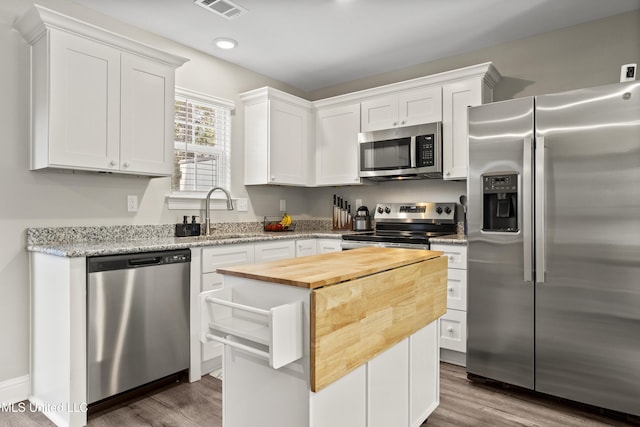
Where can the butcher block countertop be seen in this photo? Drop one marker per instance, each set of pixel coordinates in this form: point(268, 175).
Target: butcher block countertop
point(318, 271)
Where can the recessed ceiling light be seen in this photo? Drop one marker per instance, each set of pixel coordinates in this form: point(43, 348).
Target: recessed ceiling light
point(225, 43)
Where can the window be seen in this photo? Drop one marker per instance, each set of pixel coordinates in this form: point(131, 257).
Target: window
point(202, 142)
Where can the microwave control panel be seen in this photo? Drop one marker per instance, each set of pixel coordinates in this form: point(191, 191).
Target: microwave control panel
point(425, 150)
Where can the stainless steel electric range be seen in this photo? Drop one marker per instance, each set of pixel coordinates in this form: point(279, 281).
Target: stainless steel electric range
point(406, 225)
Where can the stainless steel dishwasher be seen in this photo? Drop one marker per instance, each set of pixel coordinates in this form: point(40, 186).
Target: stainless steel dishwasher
point(137, 320)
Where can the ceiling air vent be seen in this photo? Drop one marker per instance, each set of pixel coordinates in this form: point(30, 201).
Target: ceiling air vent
point(225, 8)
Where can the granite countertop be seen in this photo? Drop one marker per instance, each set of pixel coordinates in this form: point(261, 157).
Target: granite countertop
point(452, 239)
point(112, 240)
point(85, 249)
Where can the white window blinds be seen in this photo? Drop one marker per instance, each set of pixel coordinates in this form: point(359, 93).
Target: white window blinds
point(202, 142)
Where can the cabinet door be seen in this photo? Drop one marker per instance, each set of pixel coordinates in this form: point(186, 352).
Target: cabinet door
point(305, 247)
point(337, 150)
point(456, 99)
point(288, 143)
point(379, 113)
point(420, 106)
point(84, 105)
point(342, 403)
point(424, 373)
point(272, 251)
point(148, 94)
point(388, 387)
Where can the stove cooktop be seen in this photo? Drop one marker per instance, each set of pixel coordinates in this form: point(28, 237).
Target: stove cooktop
point(413, 223)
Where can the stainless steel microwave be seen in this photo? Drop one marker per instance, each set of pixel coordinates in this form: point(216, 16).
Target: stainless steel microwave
point(411, 152)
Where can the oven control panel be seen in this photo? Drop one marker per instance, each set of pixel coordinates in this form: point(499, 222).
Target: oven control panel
point(416, 212)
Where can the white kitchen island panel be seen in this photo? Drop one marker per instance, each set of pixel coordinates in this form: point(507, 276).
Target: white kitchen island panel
point(397, 386)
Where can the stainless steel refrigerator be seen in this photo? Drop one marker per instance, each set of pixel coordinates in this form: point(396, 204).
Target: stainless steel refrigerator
point(554, 244)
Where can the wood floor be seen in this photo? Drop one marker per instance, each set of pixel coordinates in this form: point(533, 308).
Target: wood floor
point(462, 403)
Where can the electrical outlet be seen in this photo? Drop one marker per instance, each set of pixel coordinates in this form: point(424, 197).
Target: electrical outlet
point(628, 72)
point(242, 205)
point(358, 203)
point(132, 203)
point(283, 205)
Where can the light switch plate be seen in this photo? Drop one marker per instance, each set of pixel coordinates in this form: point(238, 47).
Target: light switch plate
point(283, 205)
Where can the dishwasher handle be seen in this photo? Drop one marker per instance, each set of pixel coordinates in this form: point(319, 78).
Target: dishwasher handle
point(136, 262)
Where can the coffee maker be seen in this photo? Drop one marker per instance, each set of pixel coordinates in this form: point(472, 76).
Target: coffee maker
point(500, 202)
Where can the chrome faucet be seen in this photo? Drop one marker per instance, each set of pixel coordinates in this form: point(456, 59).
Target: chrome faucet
point(207, 219)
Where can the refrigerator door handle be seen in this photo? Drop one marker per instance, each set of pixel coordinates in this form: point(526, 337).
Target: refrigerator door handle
point(527, 219)
point(540, 210)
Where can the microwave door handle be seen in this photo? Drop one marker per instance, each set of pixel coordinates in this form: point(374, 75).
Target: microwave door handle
point(412, 152)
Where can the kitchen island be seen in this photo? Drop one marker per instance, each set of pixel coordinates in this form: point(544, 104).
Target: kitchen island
point(340, 339)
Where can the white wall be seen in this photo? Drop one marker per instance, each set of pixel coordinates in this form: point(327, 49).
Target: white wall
point(44, 198)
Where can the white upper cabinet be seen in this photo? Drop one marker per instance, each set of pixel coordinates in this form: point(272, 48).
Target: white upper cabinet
point(147, 111)
point(407, 108)
point(337, 151)
point(277, 138)
point(100, 102)
point(286, 144)
point(457, 98)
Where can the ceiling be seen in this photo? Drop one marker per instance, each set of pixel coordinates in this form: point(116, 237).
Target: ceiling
point(313, 44)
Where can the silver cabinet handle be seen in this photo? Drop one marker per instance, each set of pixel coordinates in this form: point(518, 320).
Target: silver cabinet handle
point(540, 210)
point(113, 163)
point(526, 213)
point(125, 164)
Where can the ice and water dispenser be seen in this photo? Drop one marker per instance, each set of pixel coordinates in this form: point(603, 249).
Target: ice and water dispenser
point(500, 202)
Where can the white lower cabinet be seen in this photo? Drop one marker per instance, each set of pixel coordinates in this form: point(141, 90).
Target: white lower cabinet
point(212, 258)
point(453, 325)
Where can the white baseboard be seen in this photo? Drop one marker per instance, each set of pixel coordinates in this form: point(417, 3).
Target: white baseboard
point(454, 357)
point(14, 390)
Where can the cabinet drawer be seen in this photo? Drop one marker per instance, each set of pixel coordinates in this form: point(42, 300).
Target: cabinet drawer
point(226, 256)
point(305, 247)
point(457, 289)
point(457, 254)
point(272, 251)
point(273, 333)
point(211, 281)
point(325, 246)
point(453, 331)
